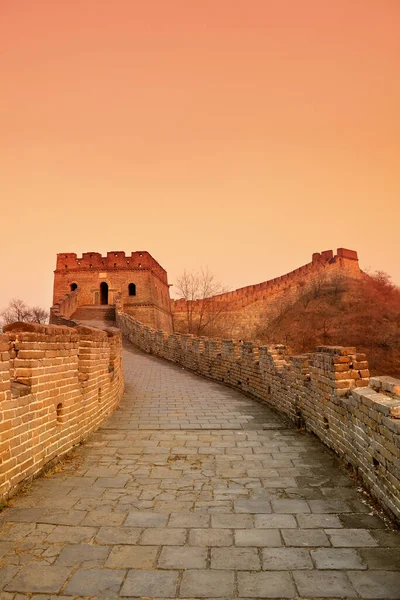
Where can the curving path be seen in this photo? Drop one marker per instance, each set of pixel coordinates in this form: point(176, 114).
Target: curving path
point(191, 490)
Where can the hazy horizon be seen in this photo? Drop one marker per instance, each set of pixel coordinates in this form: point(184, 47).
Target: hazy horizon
point(241, 135)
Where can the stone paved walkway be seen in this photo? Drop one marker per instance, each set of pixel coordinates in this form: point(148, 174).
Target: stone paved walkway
point(191, 490)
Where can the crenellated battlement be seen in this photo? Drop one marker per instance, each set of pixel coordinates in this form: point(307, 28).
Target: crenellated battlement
point(116, 259)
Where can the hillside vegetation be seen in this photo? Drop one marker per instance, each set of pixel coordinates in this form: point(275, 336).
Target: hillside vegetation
point(363, 313)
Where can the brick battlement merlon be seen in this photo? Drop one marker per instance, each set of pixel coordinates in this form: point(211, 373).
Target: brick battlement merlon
point(68, 261)
point(344, 258)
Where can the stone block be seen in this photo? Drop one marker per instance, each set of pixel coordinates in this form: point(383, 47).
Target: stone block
point(235, 558)
point(323, 584)
point(150, 584)
point(35, 578)
point(207, 584)
point(266, 585)
point(258, 537)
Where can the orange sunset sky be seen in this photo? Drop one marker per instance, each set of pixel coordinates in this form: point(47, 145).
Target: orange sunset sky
point(239, 134)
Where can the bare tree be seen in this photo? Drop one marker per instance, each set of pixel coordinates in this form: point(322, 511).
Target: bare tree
point(200, 289)
point(18, 310)
point(39, 315)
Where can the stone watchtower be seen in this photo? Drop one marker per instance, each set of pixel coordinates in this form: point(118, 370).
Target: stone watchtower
point(137, 281)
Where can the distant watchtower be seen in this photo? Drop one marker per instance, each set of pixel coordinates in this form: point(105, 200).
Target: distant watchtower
point(137, 281)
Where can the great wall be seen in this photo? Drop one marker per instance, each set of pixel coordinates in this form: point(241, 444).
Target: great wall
point(245, 306)
point(59, 383)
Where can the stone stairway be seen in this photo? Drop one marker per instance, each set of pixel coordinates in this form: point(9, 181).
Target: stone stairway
point(96, 313)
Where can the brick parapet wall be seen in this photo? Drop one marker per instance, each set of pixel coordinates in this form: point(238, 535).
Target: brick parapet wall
point(328, 392)
point(57, 384)
point(62, 310)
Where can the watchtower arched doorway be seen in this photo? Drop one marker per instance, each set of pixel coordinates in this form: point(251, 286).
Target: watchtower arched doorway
point(132, 289)
point(103, 293)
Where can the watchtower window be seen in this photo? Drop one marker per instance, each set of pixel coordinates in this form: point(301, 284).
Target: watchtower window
point(73, 286)
point(132, 289)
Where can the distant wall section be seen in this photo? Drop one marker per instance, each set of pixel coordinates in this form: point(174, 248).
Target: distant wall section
point(244, 306)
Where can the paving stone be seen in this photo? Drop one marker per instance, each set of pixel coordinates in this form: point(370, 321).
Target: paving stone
point(258, 537)
point(207, 584)
point(118, 535)
point(279, 482)
point(26, 515)
point(285, 559)
point(84, 555)
point(305, 537)
point(386, 559)
point(173, 557)
point(146, 519)
point(350, 538)
point(323, 584)
point(91, 582)
point(329, 506)
point(163, 537)
point(37, 578)
point(354, 521)
point(66, 517)
point(16, 531)
point(6, 575)
point(266, 585)
point(379, 585)
point(62, 503)
point(231, 521)
point(151, 584)
point(235, 558)
point(189, 520)
point(321, 521)
point(252, 506)
point(80, 482)
point(337, 558)
point(71, 535)
point(391, 539)
point(210, 537)
point(290, 506)
point(100, 518)
point(5, 547)
point(132, 557)
point(275, 521)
